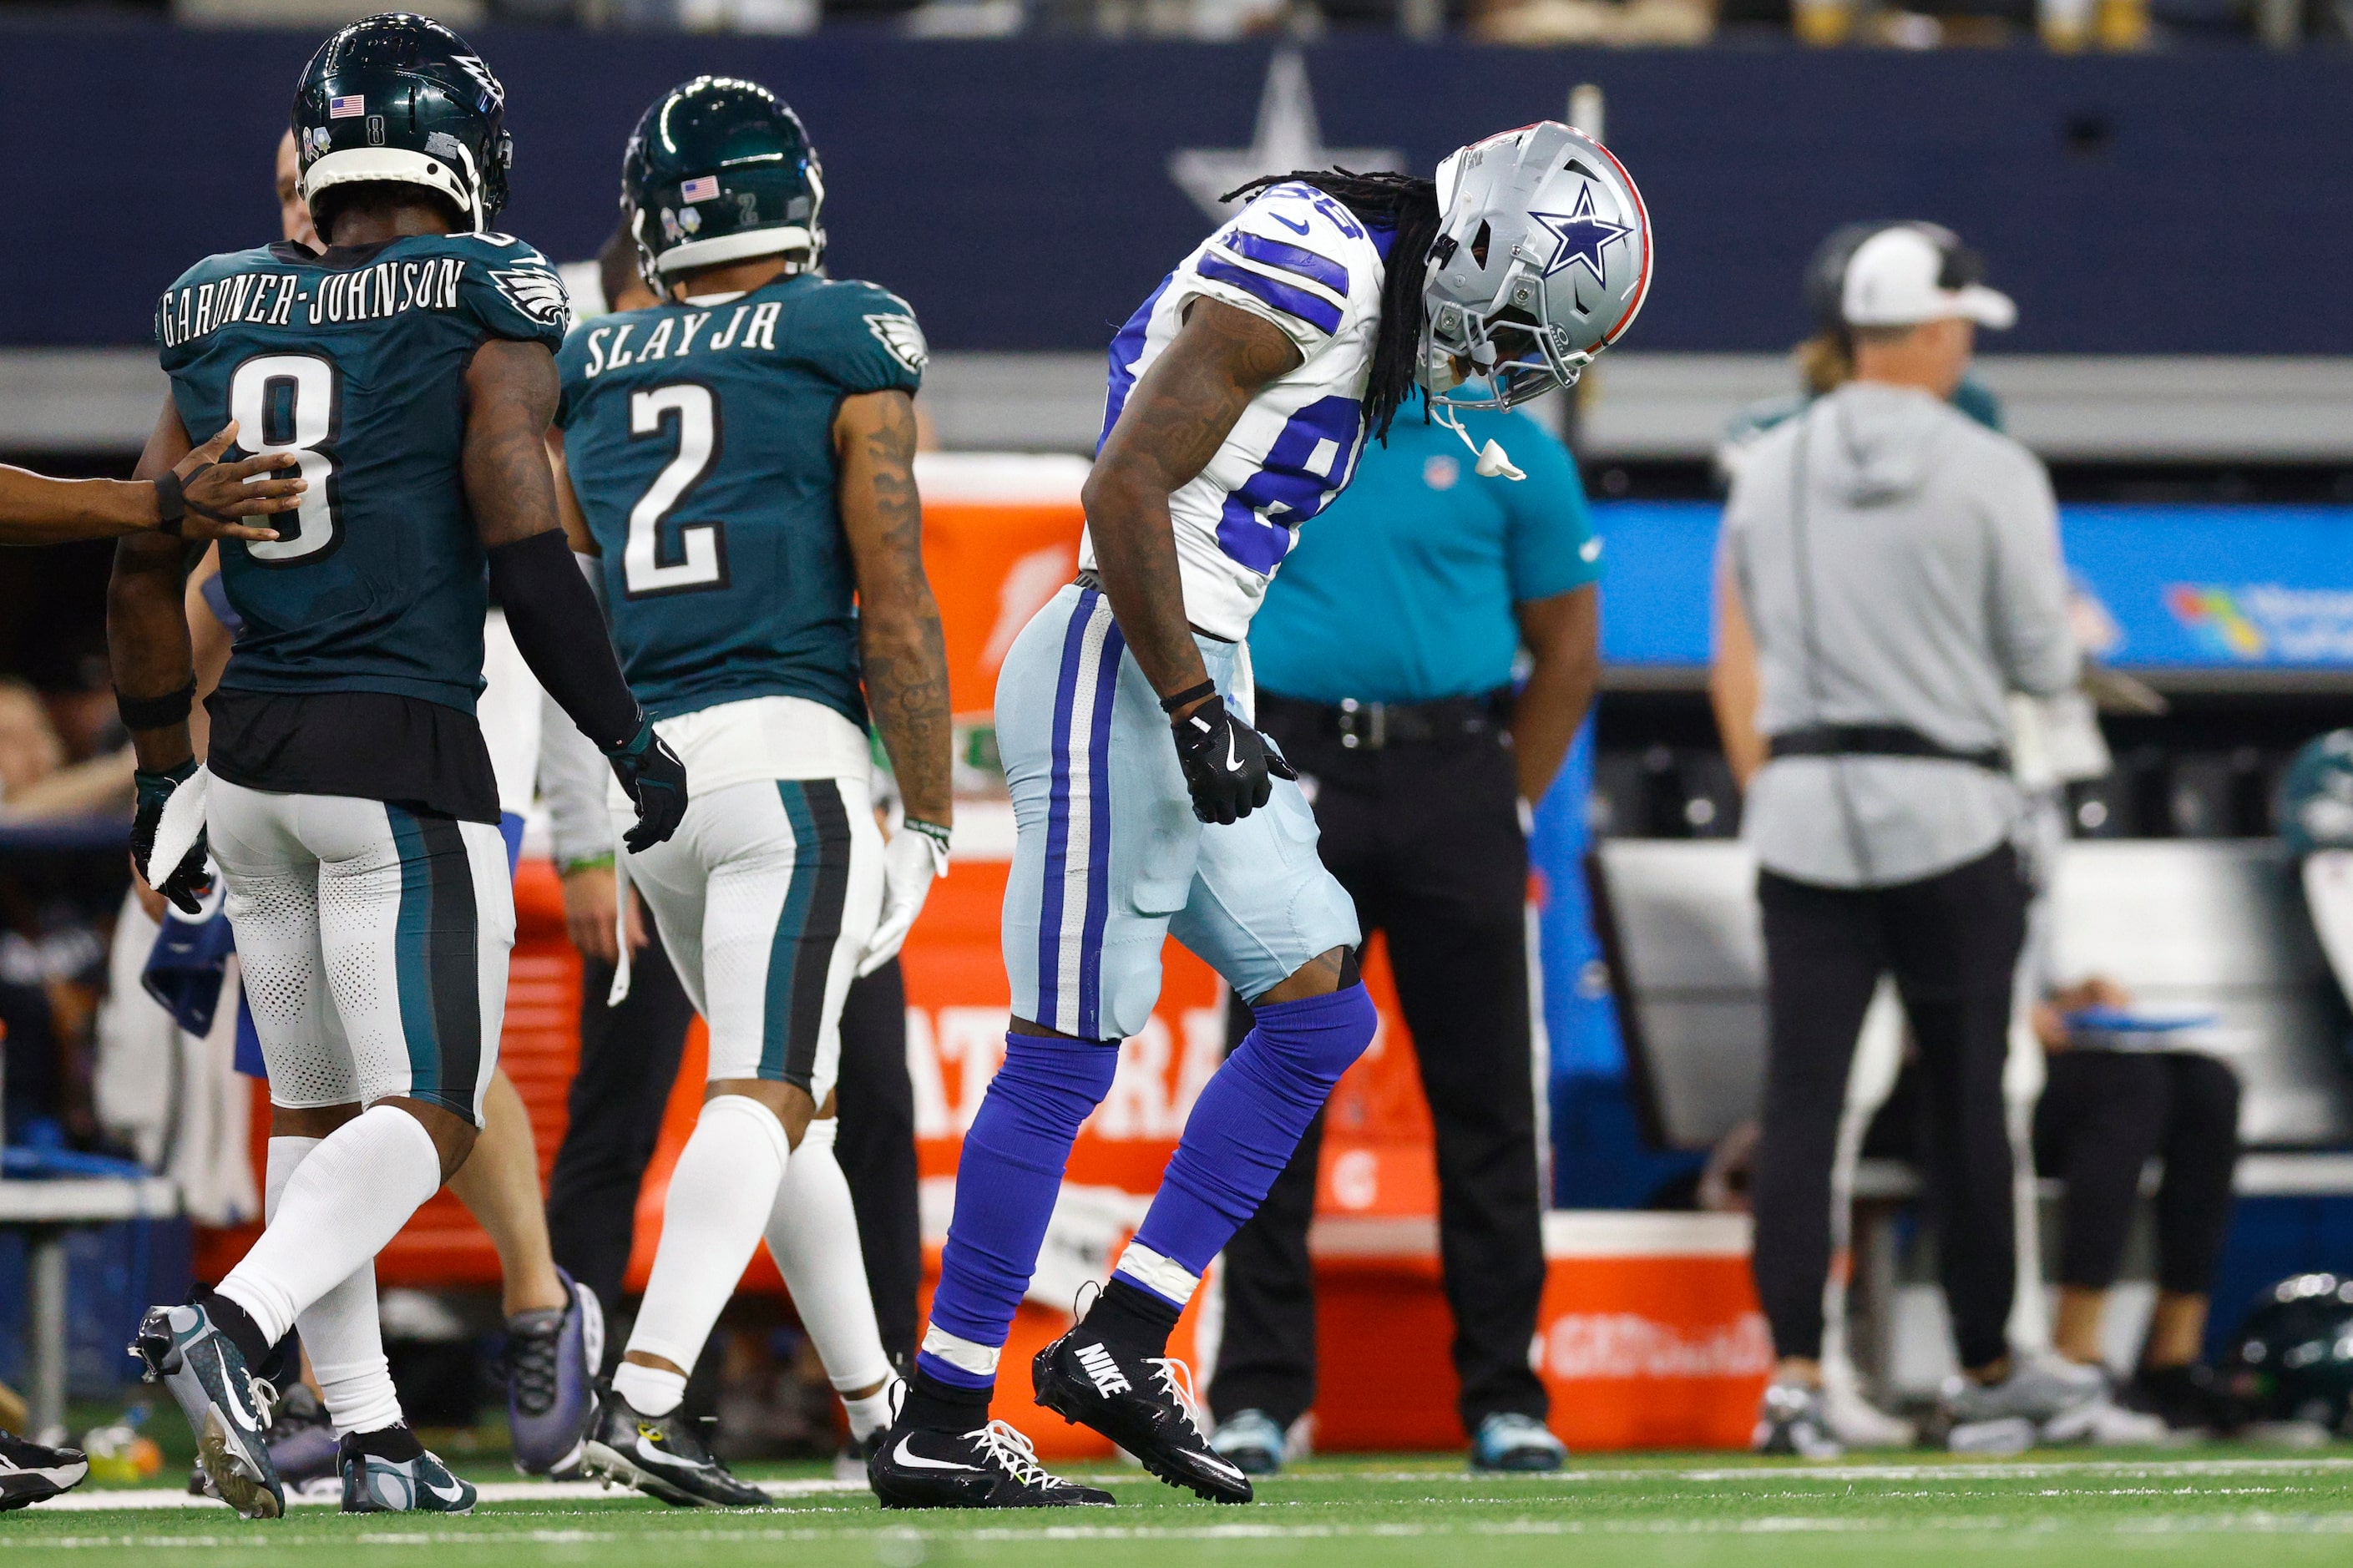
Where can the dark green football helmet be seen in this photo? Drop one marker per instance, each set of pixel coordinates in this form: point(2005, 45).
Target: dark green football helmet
point(719, 169)
point(2293, 1358)
point(402, 99)
point(2313, 809)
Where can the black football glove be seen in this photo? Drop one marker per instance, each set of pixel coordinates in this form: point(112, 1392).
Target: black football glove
point(186, 883)
point(1226, 762)
point(654, 777)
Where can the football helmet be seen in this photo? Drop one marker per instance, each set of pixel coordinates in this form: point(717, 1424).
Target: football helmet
point(1542, 260)
point(400, 97)
point(719, 169)
point(2315, 808)
point(2291, 1360)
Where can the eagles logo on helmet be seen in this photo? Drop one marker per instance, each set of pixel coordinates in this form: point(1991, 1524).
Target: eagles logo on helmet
point(721, 170)
point(400, 99)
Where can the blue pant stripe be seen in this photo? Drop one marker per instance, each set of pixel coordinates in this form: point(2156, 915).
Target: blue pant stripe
point(1098, 839)
point(1058, 818)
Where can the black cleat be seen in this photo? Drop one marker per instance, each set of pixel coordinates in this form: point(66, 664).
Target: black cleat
point(989, 1467)
point(1144, 1405)
point(661, 1457)
point(30, 1473)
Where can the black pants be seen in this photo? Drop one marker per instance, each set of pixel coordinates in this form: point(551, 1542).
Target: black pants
point(629, 1061)
point(2102, 1116)
point(1426, 838)
point(876, 1147)
point(1952, 942)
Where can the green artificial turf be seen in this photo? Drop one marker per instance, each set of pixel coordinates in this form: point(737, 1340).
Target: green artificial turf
point(2232, 1506)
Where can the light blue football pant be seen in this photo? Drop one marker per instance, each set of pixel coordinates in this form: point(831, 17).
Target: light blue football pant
point(1109, 859)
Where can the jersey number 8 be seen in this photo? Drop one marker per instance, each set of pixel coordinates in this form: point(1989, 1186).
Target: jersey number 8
point(665, 556)
point(286, 403)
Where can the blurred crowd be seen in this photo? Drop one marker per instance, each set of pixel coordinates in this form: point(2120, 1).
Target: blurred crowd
point(2064, 24)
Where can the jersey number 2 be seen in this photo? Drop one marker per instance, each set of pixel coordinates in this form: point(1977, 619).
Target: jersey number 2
point(663, 556)
point(286, 404)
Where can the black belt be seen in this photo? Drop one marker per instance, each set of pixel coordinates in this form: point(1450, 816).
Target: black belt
point(1880, 740)
point(1371, 726)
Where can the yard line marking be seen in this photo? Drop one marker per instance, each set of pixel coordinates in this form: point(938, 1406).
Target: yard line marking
point(2183, 1524)
point(88, 1499)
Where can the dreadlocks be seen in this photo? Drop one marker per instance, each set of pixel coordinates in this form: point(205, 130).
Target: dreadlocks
point(1408, 207)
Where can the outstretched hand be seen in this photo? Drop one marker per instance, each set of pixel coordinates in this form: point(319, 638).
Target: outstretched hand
point(217, 493)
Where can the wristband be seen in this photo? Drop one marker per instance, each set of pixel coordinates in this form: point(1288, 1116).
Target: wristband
point(156, 712)
point(586, 863)
point(171, 505)
point(930, 830)
point(1190, 694)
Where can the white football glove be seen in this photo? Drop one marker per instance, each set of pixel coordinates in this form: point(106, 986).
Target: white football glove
point(917, 853)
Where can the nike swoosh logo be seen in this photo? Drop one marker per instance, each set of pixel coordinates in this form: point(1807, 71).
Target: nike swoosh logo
point(1293, 227)
point(914, 1461)
point(1233, 758)
point(455, 1494)
point(235, 1406)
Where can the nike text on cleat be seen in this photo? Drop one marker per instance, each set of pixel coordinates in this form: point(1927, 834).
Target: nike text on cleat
point(374, 1484)
point(1104, 1369)
point(227, 1408)
point(1146, 1406)
point(989, 1467)
point(662, 1457)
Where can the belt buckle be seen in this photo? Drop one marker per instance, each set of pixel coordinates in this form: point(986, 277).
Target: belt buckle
point(1373, 734)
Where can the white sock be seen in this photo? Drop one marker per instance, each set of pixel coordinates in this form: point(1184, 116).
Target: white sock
point(648, 1390)
point(341, 1202)
point(869, 1414)
point(813, 1235)
point(339, 1329)
point(720, 1195)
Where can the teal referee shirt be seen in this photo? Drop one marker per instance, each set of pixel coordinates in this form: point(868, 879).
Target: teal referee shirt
point(1402, 589)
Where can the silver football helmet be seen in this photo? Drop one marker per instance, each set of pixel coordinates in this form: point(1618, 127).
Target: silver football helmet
point(1543, 258)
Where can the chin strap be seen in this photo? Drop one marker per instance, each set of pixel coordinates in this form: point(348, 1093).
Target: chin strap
point(1492, 460)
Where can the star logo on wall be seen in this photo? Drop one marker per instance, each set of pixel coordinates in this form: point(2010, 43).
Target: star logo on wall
point(1287, 137)
point(1581, 236)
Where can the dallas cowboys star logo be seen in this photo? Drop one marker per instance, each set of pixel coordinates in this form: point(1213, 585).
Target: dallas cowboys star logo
point(1582, 236)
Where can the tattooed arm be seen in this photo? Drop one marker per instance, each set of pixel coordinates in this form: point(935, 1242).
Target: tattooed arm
point(511, 390)
point(1174, 422)
point(900, 644)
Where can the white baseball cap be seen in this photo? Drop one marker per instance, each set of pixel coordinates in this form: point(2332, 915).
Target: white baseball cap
point(1911, 273)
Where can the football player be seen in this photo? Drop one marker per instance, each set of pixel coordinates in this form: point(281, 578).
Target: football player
point(408, 374)
point(743, 456)
point(1146, 805)
point(555, 1326)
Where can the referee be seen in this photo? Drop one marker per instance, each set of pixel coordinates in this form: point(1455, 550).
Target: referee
point(1384, 658)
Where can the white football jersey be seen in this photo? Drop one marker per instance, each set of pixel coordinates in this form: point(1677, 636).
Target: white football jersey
point(1298, 257)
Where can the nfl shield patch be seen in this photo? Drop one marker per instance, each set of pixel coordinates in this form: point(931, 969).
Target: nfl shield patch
point(703, 188)
point(346, 108)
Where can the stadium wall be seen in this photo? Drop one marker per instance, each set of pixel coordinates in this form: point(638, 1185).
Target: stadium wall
point(1019, 192)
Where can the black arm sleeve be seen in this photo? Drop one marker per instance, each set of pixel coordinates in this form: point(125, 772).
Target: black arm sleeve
point(561, 632)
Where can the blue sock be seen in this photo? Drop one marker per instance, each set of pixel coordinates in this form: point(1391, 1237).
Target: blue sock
point(1243, 1131)
point(1007, 1182)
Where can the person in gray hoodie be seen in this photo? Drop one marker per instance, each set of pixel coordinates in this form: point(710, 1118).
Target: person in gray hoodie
point(1888, 572)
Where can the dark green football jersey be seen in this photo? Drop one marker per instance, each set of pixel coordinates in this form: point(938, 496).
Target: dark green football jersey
point(353, 366)
point(699, 441)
